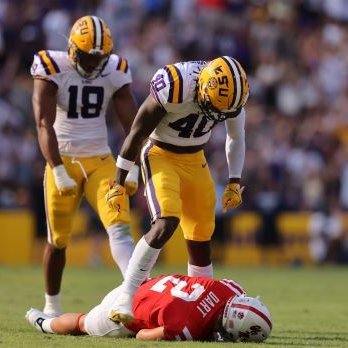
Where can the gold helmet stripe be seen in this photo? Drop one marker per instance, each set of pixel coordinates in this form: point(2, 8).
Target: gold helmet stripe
point(94, 33)
point(235, 72)
point(102, 34)
point(98, 33)
point(244, 82)
point(234, 81)
point(48, 63)
point(176, 84)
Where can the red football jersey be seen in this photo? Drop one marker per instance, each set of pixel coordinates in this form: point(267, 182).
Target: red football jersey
point(187, 307)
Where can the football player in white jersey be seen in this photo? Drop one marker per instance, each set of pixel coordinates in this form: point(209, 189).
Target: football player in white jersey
point(71, 93)
point(186, 101)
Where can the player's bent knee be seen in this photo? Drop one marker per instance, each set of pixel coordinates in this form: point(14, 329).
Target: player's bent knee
point(60, 243)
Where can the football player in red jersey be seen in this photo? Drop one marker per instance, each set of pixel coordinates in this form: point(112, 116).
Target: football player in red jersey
point(172, 307)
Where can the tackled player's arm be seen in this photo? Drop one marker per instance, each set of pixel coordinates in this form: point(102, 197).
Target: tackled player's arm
point(151, 334)
point(44, 105)
point(149, 115)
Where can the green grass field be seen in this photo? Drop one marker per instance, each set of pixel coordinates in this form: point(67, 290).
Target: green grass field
point(309, 305)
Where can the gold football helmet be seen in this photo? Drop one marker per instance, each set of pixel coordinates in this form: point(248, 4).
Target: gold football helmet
point(90, 46)
point(222, 89)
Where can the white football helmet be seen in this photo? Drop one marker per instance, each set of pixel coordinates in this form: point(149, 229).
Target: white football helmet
point(246, 319)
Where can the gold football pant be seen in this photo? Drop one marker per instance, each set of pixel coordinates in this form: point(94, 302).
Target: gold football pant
point(180, 185)
point(92, 175)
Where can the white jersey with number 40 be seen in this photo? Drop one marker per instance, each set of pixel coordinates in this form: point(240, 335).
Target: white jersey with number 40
point(80, 124)
point(184, 124)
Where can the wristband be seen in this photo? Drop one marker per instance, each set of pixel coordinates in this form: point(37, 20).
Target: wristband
point(124, 164)
point(133, 174)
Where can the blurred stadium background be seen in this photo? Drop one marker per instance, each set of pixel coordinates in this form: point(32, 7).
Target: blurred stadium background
point(296, 171)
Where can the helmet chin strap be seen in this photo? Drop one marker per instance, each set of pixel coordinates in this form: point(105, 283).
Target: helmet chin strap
point(93, 75)
point(96, 71)
point(81, 71)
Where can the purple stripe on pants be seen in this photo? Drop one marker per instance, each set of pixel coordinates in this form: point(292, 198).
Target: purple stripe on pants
point(153, 198)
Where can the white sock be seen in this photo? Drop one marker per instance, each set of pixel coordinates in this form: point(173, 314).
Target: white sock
point(197, 271)
point(140, 265)
point(52, 305)
point(46, 325)
point(121, 245)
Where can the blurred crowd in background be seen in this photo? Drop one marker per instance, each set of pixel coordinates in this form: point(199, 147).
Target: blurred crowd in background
point(295, 54)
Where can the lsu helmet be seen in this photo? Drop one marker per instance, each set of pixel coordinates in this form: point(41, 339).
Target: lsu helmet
point(222, 89)
point(90, 46)
point(245, 319)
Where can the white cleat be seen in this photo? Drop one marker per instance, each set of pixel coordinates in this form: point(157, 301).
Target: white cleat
point(121, 311)
point(35, 318)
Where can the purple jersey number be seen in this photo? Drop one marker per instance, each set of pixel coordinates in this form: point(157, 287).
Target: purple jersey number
point(158, 82)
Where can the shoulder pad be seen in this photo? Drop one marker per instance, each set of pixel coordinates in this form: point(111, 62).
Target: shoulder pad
point(118, 71)
point(122, 65)
point(176, 84)
point(118, 63)
point(167, 85)
point(45, 64)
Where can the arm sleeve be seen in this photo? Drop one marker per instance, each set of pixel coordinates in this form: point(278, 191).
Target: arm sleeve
point(235, 144)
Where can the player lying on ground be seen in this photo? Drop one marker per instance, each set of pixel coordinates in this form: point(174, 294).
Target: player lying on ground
point(172, 307)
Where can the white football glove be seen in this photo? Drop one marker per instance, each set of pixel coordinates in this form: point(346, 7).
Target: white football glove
point(131, 183)
point(65, 184)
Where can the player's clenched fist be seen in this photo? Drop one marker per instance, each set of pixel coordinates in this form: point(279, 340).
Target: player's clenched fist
point(232, 196)
point(116, 197)
point(65, 184)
